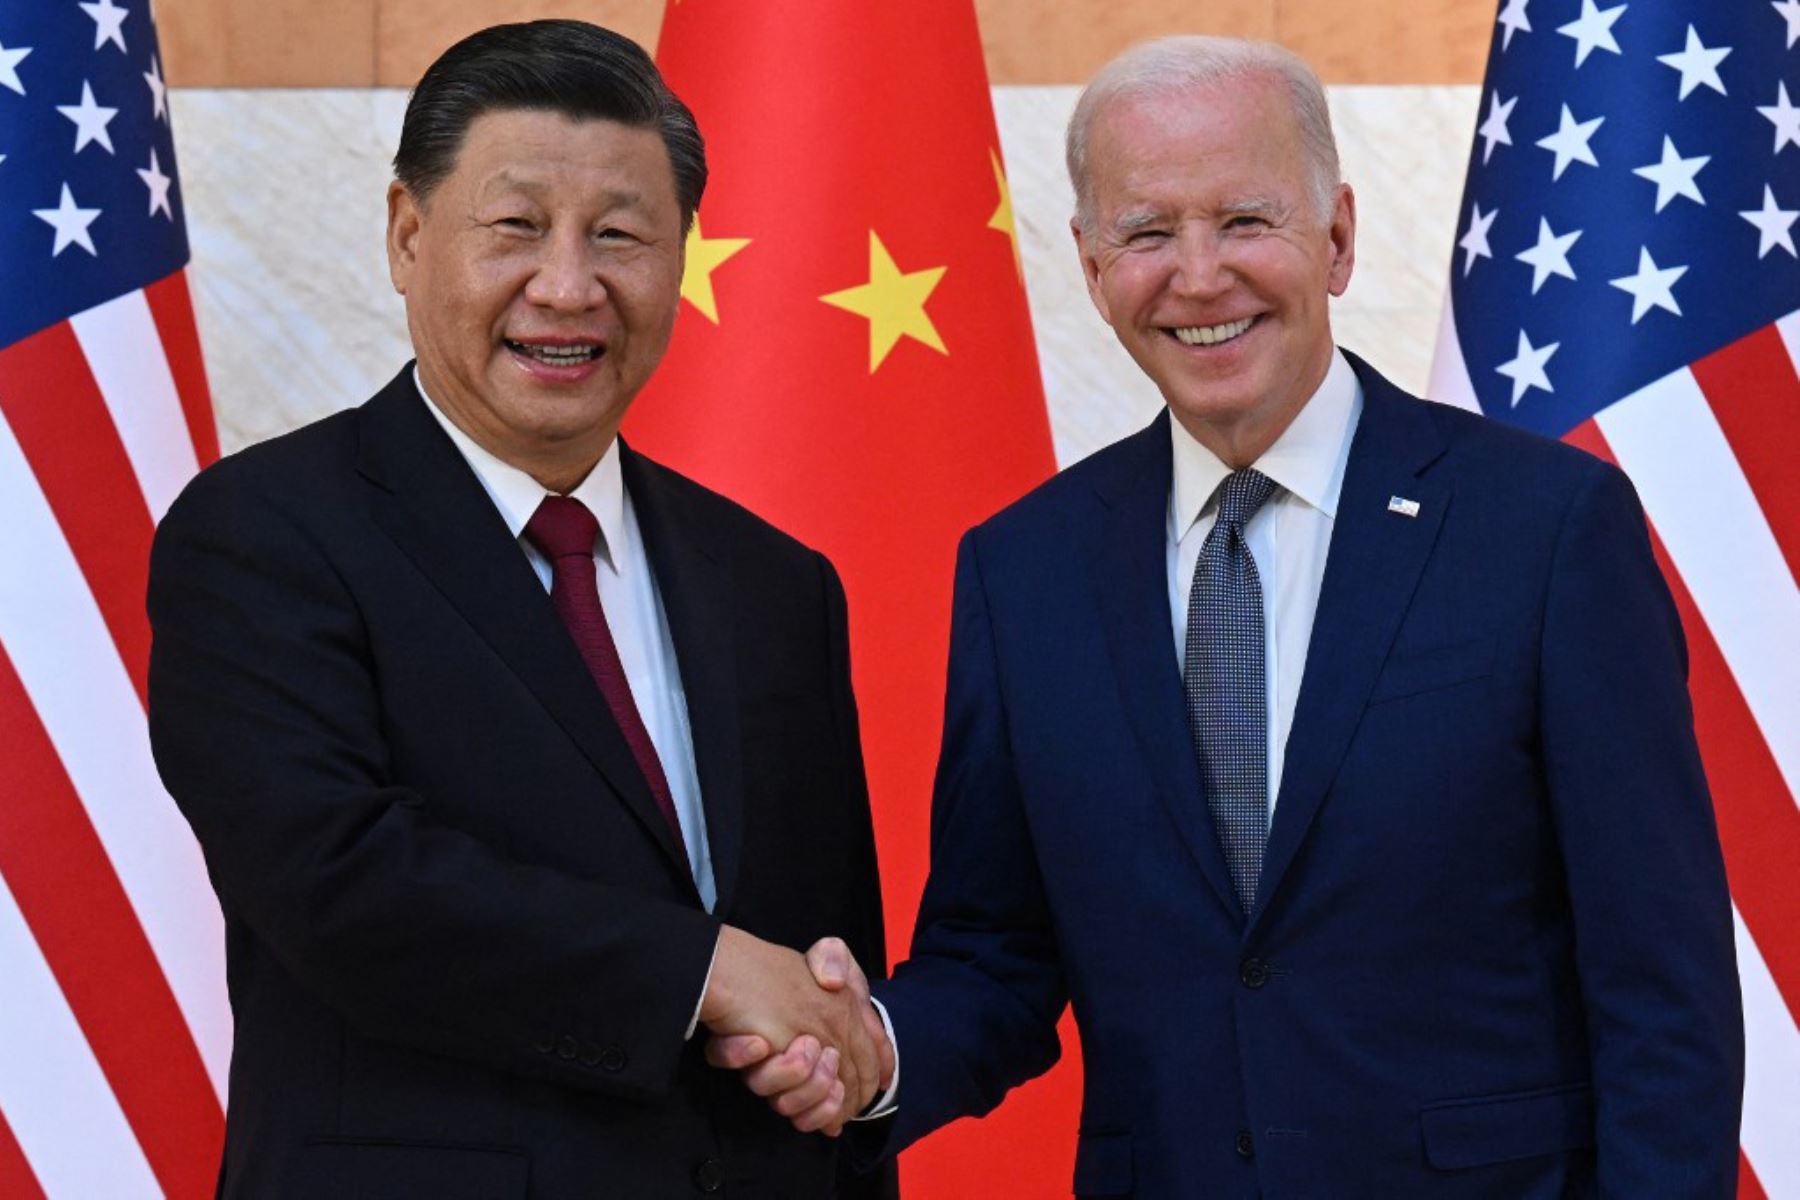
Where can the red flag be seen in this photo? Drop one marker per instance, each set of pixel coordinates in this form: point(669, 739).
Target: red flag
point(856, 364)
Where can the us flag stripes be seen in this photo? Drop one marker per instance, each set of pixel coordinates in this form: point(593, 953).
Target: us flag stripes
point(114, 1027)
point(1626, 278)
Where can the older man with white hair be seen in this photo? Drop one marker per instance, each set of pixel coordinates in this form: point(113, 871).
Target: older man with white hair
point(1328, 750)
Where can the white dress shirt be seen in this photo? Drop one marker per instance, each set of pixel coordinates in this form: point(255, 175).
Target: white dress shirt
point(1288, 537)
point(634, 613)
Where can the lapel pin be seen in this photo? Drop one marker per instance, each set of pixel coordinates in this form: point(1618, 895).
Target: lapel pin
point(1403, 506)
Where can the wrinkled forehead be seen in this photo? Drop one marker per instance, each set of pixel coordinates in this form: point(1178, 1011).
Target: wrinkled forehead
point(539, 153)
point(1221, 131)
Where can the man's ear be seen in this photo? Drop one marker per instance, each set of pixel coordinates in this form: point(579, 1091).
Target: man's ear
point(1343, 239)
point(1090, 270)
point(404, 217)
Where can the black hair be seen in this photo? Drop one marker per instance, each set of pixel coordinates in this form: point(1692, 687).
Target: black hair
point(570, 67)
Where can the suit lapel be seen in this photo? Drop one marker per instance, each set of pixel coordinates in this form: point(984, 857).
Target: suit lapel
point(696, 589)
point(1127, 559)
point(434, 508)
point(1371, 571)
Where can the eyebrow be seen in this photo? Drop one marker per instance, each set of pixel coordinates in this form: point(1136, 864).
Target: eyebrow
point(612, 198)
point(1132, 221)
point(1250, 206)
point(1253, 206)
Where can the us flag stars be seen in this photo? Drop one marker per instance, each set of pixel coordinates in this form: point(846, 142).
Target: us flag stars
point(1513, 20)
point(9, 67)
point(1593, 30)
point(71, 223)
point(91, 120)
point(1785, 117)
point(87, 152)
point(109, 22)
point(1669, 203)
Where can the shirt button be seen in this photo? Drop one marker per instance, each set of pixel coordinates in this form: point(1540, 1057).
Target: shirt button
point(709, 1176)
point(1253, 973)
point(1244, 1144)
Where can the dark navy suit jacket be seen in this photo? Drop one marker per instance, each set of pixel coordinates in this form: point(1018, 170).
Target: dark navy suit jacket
point(1492, 955)
point(463, 945)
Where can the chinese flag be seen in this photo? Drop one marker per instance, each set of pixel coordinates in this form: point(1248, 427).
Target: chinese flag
point(855, 363)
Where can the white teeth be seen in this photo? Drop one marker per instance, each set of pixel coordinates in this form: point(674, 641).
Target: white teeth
point(1212, 335)
point(559, 355)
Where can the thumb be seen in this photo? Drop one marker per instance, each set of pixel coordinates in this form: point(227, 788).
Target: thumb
point(832, 965)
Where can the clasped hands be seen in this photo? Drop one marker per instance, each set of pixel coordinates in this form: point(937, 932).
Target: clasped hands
point(800, 1029)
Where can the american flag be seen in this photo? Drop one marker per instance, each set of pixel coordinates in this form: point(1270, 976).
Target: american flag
point(1626, 278)
point(114, 1026)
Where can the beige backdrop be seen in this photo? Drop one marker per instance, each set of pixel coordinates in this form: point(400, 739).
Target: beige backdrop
point(282, 184)
point(369, 43)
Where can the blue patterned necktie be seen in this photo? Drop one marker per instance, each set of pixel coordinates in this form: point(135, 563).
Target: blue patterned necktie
point(1227, 698)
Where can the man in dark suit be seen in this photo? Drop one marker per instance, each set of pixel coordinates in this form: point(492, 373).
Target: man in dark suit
point(1327, 749)
point(513, 754)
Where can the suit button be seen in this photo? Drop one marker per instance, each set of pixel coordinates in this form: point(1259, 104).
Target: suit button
point(613, 1059)
point(1253, 973)
point(709, 1176)
point(566, 1047)
point(590, 1055)
point(545, 1043)
point(1245, 1145)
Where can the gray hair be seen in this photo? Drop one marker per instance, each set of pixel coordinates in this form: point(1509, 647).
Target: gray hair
point(1176, 64)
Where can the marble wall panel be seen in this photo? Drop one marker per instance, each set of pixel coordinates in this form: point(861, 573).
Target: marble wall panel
point(284, 194)
point(284, 198)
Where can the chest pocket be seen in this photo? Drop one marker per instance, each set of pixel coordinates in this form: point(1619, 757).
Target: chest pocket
point(1412, 672)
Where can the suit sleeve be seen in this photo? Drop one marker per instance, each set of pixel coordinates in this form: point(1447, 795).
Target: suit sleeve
point(867, 938)
point(975, 1006)
point(265, 720)
point(1646, 882)
point(866, 935)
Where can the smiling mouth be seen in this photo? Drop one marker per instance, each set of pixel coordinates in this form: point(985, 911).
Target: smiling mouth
point(1212, 335)
point(557, 356)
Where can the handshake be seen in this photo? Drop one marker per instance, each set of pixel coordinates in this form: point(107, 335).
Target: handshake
point(801, 1029)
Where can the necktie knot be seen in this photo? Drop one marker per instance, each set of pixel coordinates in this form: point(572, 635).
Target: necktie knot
point(561, 527)
point(1242, 493)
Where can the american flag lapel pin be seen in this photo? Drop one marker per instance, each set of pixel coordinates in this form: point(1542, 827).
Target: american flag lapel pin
point(1403, 506)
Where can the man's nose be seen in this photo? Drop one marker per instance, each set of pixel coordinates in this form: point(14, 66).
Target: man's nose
point(1201, 269)
point(568, 277)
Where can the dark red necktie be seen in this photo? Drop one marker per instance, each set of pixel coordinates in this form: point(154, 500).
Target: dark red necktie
point(564, 531)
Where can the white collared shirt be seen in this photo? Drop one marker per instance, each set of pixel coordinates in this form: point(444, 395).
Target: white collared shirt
point(1288, 537)
point(634, 613)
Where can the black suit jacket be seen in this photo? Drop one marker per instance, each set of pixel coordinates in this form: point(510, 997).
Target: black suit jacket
point(463, 946)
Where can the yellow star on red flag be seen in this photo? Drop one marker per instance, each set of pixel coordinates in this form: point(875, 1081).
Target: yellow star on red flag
point(894, 303)
point(1003, 219)
point(703, 256)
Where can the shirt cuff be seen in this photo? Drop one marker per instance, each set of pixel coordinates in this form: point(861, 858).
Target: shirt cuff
point(886, 1103)
point(694, 1021)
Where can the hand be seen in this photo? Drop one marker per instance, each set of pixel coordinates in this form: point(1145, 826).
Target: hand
point(762, 995)
point(800, 1083)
